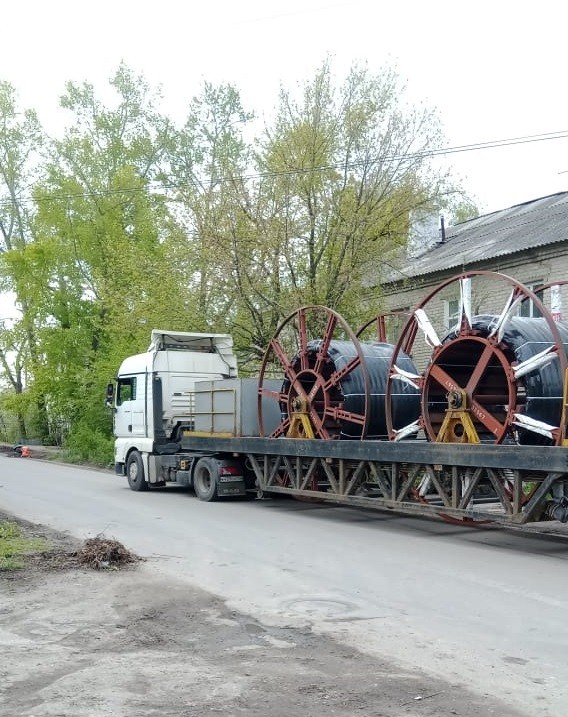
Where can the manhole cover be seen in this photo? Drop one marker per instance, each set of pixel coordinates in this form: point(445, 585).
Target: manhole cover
point(319, 607)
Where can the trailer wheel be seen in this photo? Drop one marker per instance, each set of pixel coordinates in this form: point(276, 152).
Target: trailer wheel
point(135, 472)
point(205, 479)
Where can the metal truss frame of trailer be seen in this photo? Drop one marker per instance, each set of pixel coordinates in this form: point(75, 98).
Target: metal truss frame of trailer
point(508, 484)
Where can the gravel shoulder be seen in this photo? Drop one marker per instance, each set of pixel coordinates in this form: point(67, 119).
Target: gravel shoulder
point(78, 642)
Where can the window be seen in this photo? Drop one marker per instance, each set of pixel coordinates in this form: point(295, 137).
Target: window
point(451, 313)
point(396, 323)
point(126, 390)
point(527, 307)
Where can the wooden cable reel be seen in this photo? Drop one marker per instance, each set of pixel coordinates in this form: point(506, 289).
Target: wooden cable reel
point(510, 370)
point(317, 354)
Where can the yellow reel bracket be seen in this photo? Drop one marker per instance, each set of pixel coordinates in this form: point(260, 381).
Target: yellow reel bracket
point(457, 426)
point(300, 423)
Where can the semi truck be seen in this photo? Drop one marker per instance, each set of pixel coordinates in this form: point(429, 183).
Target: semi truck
point(185, 384)
point(183, 416)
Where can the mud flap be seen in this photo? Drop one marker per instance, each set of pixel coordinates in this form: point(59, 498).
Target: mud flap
point(152, 468)
point(233, 487)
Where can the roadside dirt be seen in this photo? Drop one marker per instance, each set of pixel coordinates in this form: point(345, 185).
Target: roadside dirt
point(80, 642)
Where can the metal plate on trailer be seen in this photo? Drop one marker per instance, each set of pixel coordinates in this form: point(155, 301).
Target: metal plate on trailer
point(231, 406)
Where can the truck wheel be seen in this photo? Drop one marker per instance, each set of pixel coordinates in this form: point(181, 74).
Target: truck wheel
point(205, 479)
point(135, 472)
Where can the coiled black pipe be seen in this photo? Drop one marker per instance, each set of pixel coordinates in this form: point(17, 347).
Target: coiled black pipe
point(351, 390)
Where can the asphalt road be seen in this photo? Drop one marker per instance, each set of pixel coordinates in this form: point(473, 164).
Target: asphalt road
point(484, 607)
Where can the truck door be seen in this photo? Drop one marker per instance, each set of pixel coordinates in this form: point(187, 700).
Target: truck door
point(130, 402)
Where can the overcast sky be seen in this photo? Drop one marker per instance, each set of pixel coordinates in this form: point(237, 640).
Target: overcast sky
point(494, 70)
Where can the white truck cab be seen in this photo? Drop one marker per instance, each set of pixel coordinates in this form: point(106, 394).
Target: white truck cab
point(154, 399)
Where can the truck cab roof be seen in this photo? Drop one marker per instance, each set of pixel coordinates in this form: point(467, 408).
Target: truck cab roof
point(203, 354)
point(190, 341)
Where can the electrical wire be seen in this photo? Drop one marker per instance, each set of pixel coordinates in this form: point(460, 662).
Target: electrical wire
point(493, 144)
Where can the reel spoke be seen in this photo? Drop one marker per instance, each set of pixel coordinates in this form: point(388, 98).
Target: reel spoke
point(336, 377)
point(324, 346)
point(274, 395)
point(285, 362)
point(303, 340)
point(480, 368)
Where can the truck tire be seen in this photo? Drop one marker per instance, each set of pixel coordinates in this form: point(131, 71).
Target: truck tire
point(205, 479)
point(135, 472)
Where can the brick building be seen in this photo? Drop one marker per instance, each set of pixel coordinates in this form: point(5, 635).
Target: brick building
point(528, 242)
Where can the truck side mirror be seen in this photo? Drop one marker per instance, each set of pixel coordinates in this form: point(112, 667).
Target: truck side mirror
point(109, 395)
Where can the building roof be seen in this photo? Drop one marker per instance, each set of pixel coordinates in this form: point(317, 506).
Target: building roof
point(537, 223)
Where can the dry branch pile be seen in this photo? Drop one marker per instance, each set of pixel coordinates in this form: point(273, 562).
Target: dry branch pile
point(102, 553)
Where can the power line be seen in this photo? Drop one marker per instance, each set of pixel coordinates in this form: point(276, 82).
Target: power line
point(493, 144)
point(529, 139)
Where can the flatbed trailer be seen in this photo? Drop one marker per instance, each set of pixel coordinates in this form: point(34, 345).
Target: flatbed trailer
point(507, 484)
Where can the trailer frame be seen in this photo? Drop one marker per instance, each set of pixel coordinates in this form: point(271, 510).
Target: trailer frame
point(504, 484)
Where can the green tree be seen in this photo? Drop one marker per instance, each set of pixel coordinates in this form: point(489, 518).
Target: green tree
point(101, 255)
point(208, 159)
point(137, 225)
point(13, 345)
point(462, 208)
point(311, 214)
point(347, 165)
point(337, 177)
point(21, 143)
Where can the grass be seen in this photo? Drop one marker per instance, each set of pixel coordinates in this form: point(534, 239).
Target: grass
point(14, 546)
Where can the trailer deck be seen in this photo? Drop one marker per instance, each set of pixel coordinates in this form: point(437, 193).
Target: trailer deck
point(508, 484)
